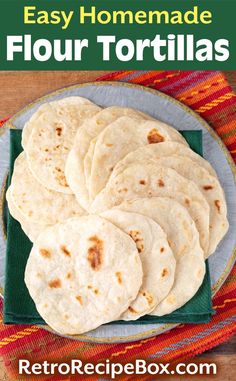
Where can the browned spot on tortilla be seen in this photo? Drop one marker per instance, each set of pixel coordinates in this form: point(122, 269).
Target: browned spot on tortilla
point(95, 253)
point(55, 283)
point(46, 150)
point(119, 277)
point(109, 145)
point(187, 202)
point(217, 204)
point(68, 276)
point(96, 291)
point(207, 187)
point(164, 273)
point(132, 310)
point(171, 299)
point(45, 253)
point(58, 131)
point(111, 169)
point(58, 169)
point(45, 305)
point(161, 183)
point(30, 213)
point(154, 137)
point(199, 273)
point(162, 249)
point(90, 287)
point(122, 190)
point(137, 237)
point(80, 299)
point(62, 180)
point(65, 251)
point(148, 297)
point(39, 275)
point(66, 316)
point(142, 182)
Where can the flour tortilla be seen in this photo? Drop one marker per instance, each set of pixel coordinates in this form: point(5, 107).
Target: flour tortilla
point(211, 190)
point(50, 141)
point(37, 203)
point(151, 180)
point(75, 171)
point(155, 151)
point(60, 106)
point(32, 230)
point(157, 259)
point(118, 139)
point(183, 238)
point(99, 275)
point(134, 114)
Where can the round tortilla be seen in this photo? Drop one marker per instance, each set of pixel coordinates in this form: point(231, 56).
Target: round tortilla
point(75, 170)
point(157, 259)
point(50, 141)
point(155, 151)
point(37, 203)
point(211, 190)
point(118, 139)
point(99, 275)
point(183, 238)
point(60, 106)
point(150, 180)
point(31, 229)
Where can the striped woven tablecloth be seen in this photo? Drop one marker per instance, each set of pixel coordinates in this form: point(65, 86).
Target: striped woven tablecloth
point(209, 94)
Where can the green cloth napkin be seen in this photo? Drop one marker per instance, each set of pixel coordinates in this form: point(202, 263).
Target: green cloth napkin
point(19, 308)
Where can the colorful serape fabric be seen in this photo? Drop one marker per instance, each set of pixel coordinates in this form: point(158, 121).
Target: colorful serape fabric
point(209, 94)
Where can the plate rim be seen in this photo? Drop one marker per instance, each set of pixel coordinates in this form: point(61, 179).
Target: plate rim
point(9, 124)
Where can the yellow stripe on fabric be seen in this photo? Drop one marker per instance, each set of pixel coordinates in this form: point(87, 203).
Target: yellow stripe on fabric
point(200, 91)
point(216, 102)
point(226, 301)
point(18, 335)
point(198, 86)
point(128, 347)
point(168, 76)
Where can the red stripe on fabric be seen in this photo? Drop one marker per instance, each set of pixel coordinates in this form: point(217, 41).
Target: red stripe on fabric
point(220, 107)
point(189, 84)
point(113, 76)
point(139, 79)
point(33, 337)
point(211, 97)
point(158, 76)
point(174, 82)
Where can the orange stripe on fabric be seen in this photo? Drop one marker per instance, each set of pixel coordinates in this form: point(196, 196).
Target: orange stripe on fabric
point(132, 346)
point(229, 139)
point(225, 302)
point(123, 74)
point(196, 88)
point(10, 339)
point(215, 102)
point(201, 93)
point(228, 126)
point(145, 76)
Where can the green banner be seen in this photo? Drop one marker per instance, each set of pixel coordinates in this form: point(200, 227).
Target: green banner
point(130, 34)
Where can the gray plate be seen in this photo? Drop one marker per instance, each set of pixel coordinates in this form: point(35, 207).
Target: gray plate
point(174, 113)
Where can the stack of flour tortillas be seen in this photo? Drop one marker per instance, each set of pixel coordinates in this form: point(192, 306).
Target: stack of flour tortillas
point(121, 212)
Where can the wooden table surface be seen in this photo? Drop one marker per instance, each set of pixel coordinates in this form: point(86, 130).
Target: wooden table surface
point(19, 88)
